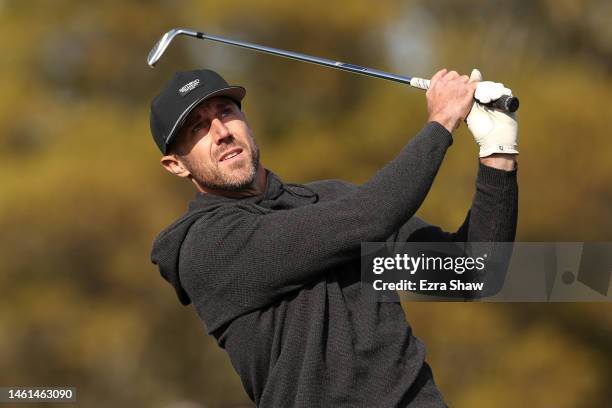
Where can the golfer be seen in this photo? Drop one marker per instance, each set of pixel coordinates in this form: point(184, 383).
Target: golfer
point(273, 269)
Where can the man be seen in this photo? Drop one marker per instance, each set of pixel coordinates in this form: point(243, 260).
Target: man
point(273, 268)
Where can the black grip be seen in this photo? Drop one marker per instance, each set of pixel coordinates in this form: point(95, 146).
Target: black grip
point(505, 102)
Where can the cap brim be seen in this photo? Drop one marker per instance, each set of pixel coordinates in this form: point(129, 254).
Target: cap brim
point(234, 92)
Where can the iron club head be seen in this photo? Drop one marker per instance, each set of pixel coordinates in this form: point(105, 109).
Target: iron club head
point(160, 47)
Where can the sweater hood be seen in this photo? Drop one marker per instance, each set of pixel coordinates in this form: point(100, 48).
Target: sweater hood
point(167, 246)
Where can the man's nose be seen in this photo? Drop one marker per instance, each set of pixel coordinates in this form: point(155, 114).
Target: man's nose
point(219, 130)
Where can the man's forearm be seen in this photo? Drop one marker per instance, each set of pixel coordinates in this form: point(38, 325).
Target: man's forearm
point(494, 211)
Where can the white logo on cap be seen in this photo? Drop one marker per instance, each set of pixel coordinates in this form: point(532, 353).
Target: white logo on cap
point(189, 87)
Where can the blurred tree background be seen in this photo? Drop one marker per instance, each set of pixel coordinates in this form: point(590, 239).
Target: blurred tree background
point(83, 196)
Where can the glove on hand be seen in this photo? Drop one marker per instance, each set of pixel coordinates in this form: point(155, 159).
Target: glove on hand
point(495, 131)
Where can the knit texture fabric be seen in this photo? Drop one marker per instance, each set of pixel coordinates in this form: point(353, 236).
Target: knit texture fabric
point(276, 279)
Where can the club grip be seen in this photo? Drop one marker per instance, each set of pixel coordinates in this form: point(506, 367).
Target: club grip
point(505, 102)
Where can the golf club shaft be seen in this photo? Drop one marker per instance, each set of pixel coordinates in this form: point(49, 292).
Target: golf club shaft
point(506, 103)
point(309, 58)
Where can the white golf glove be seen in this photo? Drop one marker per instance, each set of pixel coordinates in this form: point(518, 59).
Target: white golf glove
point(495, 131)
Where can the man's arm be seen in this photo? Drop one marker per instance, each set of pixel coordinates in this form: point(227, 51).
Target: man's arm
point(493, 215)
point(491, 218)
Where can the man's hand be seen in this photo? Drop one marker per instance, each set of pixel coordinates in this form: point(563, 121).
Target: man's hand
point(449, 98)
point(495, 131)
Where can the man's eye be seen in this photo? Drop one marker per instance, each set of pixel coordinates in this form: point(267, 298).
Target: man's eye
point(227, 111)
point(198, 127)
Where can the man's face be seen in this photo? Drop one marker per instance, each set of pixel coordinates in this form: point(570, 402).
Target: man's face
point(216, 146)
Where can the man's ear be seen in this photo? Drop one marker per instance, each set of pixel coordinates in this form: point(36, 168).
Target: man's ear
point(171, 163)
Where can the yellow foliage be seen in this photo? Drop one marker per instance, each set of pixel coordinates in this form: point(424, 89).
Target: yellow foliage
point(82, 193)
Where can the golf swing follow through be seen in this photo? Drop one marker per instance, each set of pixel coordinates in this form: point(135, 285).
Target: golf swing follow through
point(273, 269)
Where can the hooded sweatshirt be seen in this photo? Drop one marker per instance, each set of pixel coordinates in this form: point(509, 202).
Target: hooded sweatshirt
point(276, 278)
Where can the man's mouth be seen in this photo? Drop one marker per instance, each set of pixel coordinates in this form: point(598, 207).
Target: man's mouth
point(230, 154)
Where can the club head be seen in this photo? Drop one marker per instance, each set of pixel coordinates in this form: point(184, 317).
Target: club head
point(160, 47)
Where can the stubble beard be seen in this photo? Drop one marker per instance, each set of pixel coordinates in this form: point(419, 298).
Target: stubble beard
point(216, 178)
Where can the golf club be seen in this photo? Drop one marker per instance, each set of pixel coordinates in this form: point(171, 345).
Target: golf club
point(505, 102)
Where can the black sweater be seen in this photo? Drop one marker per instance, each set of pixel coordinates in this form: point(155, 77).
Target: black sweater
point(276, 279)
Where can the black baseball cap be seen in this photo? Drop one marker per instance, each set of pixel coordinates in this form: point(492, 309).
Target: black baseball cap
point(180, 96)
